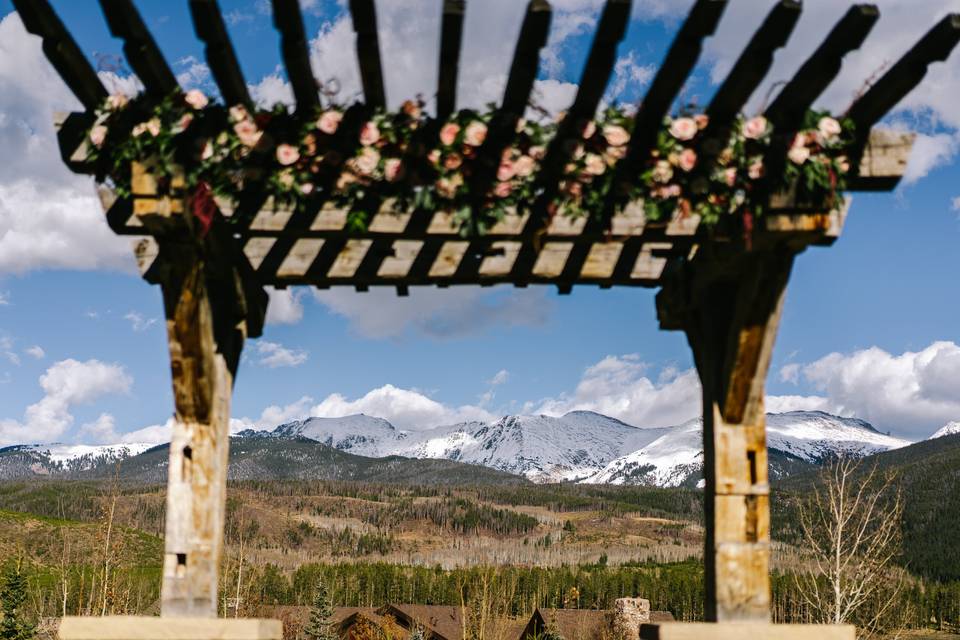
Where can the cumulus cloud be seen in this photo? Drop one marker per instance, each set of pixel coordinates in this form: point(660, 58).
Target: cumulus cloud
point(65, 384)
point(499, 378)
point(49, 217)
point(911, 393)
point(285, 307)
point(405, 408)
point(622, 387)
point(4, 299)
point(274, 355)
point(438, 313)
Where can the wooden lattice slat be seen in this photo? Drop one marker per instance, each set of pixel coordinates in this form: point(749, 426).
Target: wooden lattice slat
point(451, 36)
point(288, 20)
point(62, 51)
point(221, 58)
point(364, 15)
point(139, 47)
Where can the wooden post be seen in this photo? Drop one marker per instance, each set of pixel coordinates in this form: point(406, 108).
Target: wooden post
point(730, 309)
point(210, 308)
point(197, 474)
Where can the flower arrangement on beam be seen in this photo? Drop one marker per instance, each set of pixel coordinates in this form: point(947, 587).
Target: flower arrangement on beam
point(354, 160)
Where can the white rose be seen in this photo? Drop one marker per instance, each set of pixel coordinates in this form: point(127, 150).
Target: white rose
point(287, 154)
point(754, 128)
point(366, 163)
point(595, 165)
point(798, 155)
point(616, 135)
point(662, 171)
point(828, 127)
point(196, 99)
point(475, 133)
point(329, 122)
point(97, 135)
point(683, 128)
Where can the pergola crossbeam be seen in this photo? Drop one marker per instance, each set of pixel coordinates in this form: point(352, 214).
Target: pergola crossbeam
point(288, 20)
point(221, 57)
point(451, 37)
point(140, 48)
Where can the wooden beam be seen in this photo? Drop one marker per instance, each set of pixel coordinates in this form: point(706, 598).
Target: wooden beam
point(451, 36)
point(611, 29)
point(787, 111)
point(221, 57)
point(197, 472)
point(729, 305)
point(364, 15)
point(288, 20)
point(62, 51)
point(140, 48)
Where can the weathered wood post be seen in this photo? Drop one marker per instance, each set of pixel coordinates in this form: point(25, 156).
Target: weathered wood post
point(729, 307)
point(206, 315)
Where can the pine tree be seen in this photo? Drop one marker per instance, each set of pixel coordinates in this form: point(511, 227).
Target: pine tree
point(13, 593)
point(321, 616)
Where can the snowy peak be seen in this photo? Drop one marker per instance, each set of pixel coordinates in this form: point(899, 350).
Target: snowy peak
point(949, 429)
point(358, 434)
point(46, 459)
point(814, 436)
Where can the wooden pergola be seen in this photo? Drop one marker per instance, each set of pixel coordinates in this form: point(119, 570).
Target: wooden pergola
point(724, 292)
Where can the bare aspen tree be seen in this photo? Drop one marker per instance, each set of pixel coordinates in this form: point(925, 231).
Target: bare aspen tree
point(851, 530)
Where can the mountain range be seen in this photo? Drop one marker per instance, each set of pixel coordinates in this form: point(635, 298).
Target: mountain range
point(580, 446)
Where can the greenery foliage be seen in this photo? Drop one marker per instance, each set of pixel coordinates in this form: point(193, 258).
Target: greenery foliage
point(13, 594)
point(355, 159)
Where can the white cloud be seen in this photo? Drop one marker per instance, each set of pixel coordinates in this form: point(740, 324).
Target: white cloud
point(628, 74)
point(620, 387)
point(4, 299)
point(499, 378)
point(7, 352)
point(275, 355)
point(285, 307)
point(790, 373)
point(138, 322)
point(902, 23)
point(911, 393)
point(439, 313)
point(49, 217)
point(955, 204)
point(192, 73)
point(404, 408)
point(103, 430)
point(65, 384)
point(36, 351)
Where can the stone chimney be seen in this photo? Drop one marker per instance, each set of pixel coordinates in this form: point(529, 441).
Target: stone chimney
point(628, 615)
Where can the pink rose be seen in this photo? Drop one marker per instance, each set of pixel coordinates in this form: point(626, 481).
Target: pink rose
point(524, 166)
point(117, 101)
point(287, 154)
point(538, 152)
point(393, 169)
point(329, 122)
point(475, 133)
point(594, 164)
point(506, 171)
point(575, 189)
point(683, 128)
point(449, 132)
point(306, 188)
point(502, 190)
point(730, 176)
point(412, 109)
point(616, 153)
point(97, 135)
point(616, 135)
point(754, 128)
point(248, 132)
point(447, 187)
point(702, 120)
point(798, 154)
point(687, 159)
point(369, 134)
point(828, 127)
point(238, 112)
point(672, 191)
point(183, 123)
point(756, 170)
point(589, 129)
point(196, 99)
point(434, 157)
point(844, 164)
point(366, 163)
point(452, 162)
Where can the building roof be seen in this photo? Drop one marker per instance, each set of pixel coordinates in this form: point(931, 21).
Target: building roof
point(445, 622)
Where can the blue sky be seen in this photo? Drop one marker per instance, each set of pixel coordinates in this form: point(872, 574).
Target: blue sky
point(870, 328)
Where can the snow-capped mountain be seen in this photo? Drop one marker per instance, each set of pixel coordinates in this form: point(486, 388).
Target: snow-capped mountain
point(583, 446)
point(805, 436)
point(949, 429)
point(46, 459)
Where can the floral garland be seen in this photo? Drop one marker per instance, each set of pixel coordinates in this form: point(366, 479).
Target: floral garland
point(429, 165)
